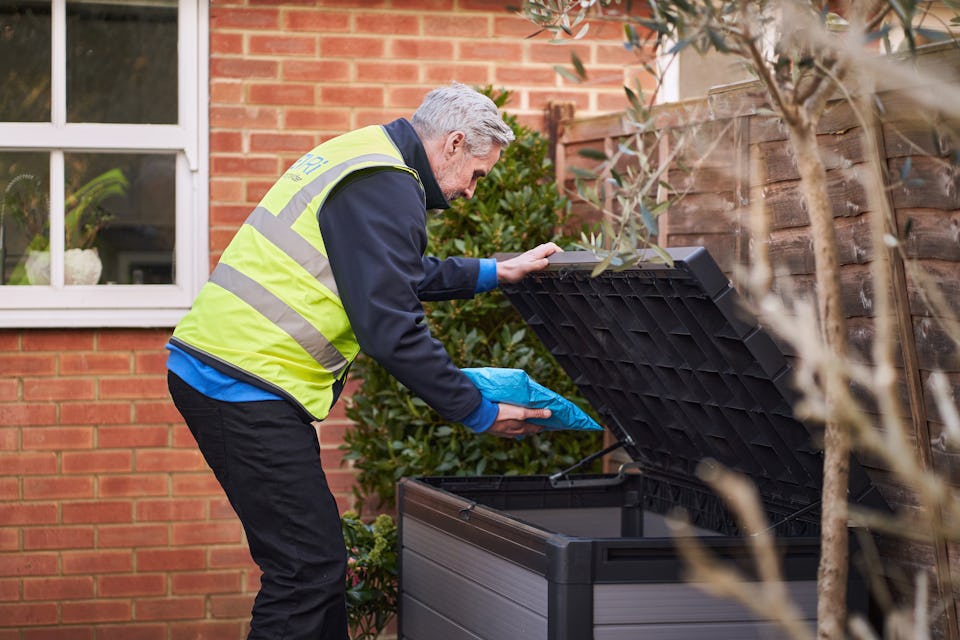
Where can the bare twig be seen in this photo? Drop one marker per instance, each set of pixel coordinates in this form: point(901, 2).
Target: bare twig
point(768, 597)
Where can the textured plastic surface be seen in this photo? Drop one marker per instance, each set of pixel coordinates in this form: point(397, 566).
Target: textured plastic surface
point(672, 364)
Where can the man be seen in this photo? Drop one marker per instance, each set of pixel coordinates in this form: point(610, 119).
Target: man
point(332, 262)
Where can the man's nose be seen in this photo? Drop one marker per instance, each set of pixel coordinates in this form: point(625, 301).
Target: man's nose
point(468, 192)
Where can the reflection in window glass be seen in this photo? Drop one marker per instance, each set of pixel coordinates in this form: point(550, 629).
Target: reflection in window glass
point(24, 61)
point(24, 218)
point(122, 62)
point(122, 206)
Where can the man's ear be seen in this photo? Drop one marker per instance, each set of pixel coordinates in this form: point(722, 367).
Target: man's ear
point(456, 141)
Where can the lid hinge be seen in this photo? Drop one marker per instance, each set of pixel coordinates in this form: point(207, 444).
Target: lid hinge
point(560, 479)
point(793, 516)
point(859, 499)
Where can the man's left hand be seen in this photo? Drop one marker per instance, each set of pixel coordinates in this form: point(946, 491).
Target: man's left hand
point(511, 421)
point(514, 269)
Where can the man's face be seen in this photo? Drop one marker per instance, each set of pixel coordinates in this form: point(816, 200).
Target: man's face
point(457, 171)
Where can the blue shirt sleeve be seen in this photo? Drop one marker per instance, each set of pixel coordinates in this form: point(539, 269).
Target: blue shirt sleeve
point(481, 418)
point(487, 279)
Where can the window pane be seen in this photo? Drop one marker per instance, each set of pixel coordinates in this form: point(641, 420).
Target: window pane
point(24, 218)
point(24, 61)
point(122, 62)
point(124, 207)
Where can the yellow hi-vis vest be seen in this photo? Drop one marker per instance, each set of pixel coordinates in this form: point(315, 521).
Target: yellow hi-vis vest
point(271, 308)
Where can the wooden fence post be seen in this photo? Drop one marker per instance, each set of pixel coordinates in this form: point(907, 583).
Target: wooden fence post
point(554, 116)
point(915, 392)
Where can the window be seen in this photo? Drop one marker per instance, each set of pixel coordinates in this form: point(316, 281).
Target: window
point(102, 161)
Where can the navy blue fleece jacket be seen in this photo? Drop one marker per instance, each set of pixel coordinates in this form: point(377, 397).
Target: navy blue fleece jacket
point(374, 228)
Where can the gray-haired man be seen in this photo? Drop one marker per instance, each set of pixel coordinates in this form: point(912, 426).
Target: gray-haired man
point(330, 263)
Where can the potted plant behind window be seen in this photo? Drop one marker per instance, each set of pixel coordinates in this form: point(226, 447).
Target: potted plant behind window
point(26, 201)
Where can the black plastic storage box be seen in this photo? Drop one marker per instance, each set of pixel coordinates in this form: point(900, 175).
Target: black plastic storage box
point(678, 374)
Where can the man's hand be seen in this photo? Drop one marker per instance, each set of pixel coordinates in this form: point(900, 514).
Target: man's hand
point(511, 421)
point(514, 269)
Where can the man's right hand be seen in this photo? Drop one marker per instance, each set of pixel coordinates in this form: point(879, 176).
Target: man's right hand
point(514, 269)
point(512, 422)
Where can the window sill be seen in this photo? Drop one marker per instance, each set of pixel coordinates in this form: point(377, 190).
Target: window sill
point(89, 318)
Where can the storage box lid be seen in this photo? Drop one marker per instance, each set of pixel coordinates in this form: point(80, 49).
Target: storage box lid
point(677, 369)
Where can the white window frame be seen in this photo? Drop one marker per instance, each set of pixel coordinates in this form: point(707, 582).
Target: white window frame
point(57, 305)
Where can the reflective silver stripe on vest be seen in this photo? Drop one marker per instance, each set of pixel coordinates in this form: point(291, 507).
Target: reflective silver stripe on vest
point(281, 314)
point(292, 210)
point(278, 228)
point(294, 245)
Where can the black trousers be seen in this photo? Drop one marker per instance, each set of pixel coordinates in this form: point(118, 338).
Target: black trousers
point(267, 459)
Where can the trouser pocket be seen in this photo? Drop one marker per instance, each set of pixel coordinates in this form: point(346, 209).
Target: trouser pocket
point(205, 421)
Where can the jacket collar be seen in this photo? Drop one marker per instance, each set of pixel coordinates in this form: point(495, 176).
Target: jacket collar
point(415, 156)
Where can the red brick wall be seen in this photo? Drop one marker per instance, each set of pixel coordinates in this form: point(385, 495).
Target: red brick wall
point(111, 526)
point(286, 76)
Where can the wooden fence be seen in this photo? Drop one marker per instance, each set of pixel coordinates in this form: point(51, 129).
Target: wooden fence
point(738, 157)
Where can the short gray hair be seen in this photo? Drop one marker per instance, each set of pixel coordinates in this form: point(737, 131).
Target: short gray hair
point(459, 108)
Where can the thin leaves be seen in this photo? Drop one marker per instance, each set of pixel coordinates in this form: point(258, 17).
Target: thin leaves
point(566, 74)
point(648, 220)
point(578, 65)
point(631, 37)
point(579, 73)
point(593, 154)
point(633, 99)
point(679, 46)
point(932, 34)
point(905, 169)
point(717, 40)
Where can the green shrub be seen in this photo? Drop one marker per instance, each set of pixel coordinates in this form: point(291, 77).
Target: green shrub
point(371, 579)
point(514, 209)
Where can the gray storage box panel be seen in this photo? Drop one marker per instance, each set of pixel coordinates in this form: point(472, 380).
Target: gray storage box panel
point(693, 631)
point(681, 603)
point(467, 603)
point(422, 622)
point(678, 373)
point(425, 545)
point(501, 573)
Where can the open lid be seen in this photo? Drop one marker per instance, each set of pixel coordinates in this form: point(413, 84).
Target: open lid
point(677, 369)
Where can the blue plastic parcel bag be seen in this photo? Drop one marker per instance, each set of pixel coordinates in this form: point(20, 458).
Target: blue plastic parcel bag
point(514, 386)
